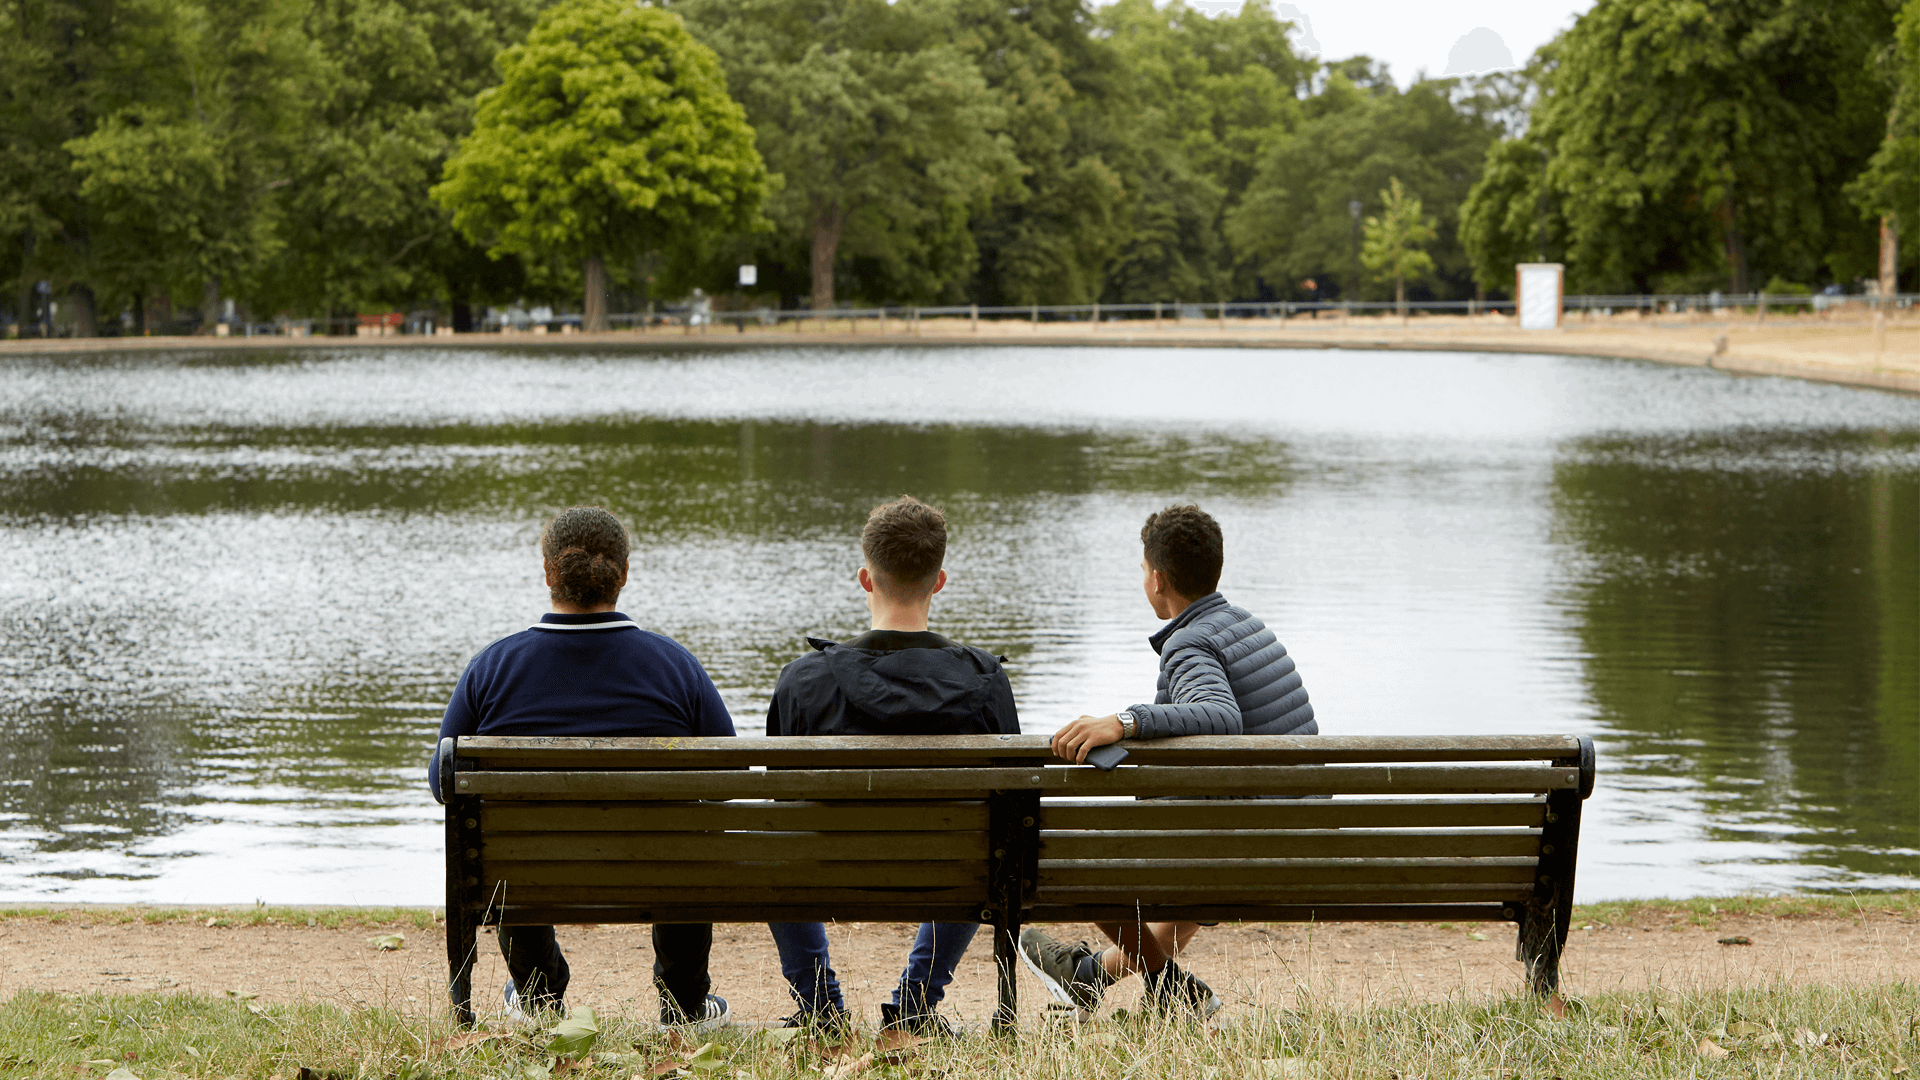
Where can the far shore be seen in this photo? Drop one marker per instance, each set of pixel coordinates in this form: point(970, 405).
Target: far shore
point(1849, 352)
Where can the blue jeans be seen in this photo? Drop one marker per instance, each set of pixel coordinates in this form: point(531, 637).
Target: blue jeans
point(936, 952)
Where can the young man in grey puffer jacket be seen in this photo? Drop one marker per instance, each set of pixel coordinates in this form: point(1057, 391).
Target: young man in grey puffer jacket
point(1222, 672)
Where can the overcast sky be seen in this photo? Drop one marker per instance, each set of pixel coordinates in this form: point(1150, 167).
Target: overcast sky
point(1410, 35)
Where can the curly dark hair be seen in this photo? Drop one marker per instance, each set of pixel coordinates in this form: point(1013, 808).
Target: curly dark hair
point(905, 541)
point(585, 550)
point(1184, 543)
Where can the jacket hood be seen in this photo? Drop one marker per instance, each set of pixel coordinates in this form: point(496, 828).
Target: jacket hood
point(944, 691)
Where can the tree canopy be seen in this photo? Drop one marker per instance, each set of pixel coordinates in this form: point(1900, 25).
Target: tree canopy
point(610, 135)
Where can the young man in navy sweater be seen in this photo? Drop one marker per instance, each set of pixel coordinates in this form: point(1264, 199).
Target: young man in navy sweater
point(587, 670)
point(898, 678)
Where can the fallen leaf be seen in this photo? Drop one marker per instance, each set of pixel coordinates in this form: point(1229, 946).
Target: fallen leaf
point(537, 1072)
point(1555, 1006)
point(1771, 1038)
point(121, 1074)
point(574, 1036)
point(1476, 937)
point(387, 942)
point(189, 1048)
point(893, 1040)
point(255, 1009)
point(213, 922)
point(1743, 1028)
point(1807, 1037)
point(241, 995)
point(1737, 939)
point(841, 1069)
point(1711, 1050)
point(463, 1040)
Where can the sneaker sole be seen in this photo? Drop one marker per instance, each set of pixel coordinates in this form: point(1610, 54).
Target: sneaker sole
point(1059, 992)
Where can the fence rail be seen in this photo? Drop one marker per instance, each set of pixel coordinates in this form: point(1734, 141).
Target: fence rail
point(1180, 314)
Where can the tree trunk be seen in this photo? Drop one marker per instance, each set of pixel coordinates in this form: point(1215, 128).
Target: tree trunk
point(827, 220)
point(594, 320)
point(1889, 260)
point(1400, 296)
point(210, 304)
point(140, 314)
point(1736, 249)
point(85, 321)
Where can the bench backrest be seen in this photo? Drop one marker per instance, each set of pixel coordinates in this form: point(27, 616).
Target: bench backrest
point(955, 828)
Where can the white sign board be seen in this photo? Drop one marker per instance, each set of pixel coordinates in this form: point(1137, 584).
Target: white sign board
point(1537, 287)
point(749, 274)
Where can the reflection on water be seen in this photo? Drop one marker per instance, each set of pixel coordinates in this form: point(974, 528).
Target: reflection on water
point(238, 587)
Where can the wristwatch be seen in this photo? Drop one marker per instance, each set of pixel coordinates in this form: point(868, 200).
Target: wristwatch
point(1128, 725)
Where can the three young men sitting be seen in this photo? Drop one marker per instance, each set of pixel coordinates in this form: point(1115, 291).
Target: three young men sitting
point(588, 670)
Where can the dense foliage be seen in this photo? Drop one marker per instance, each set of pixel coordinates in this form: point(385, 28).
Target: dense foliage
point(165, 156)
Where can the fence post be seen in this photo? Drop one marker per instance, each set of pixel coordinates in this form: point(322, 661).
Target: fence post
point(916, 322)
point(1223, 314)
point(853, 324)
point(1156, 314)
point(973, 317)
point(1096, 316)
point(1346, 312)
point(1036, 315)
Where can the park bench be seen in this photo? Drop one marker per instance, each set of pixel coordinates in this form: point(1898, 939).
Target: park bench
point(993, 829)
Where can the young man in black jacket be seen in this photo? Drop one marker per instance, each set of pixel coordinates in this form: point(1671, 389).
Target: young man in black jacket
point(898, 678)
point(1222, 672)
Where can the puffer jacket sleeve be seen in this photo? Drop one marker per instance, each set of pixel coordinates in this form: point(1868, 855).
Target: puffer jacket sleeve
point(1201, 700)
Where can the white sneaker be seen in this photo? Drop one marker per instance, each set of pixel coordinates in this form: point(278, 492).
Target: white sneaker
point(714, 1015)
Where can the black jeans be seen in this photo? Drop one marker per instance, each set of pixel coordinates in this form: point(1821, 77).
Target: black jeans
point(680, 950)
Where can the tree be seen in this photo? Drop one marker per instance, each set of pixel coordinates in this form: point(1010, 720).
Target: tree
point(1356, 135)
point(1889, 188)
point(1396, 242)
point(396, 91)
point(885, 135)
point(196, 132)
point(1686, 145)
point(611, 135)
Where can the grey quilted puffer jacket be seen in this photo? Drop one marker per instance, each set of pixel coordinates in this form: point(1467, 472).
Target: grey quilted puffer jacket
point(1222, 672)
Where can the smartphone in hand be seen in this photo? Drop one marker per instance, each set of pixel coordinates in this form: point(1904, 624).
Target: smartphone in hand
point(1106, 758)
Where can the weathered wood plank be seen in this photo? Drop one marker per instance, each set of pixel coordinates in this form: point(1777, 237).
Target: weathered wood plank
point(1276, 913)
point(942, 750)
point(1288, 844)
point(737, 846)
point(667, 897)
point(960, 783)
point(862, 816)
point(1202, 873)
point(839, 873)
point(1095, 896)
point(1305, 814)
point(570, 914)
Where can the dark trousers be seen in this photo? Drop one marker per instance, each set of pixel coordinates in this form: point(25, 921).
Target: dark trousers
point(680, 950)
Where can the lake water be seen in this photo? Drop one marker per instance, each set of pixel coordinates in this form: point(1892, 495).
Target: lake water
point(237, 587)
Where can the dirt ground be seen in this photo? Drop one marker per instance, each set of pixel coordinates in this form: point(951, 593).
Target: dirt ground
point(1354, 964)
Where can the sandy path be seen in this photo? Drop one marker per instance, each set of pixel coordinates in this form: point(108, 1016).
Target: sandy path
point(1354, 963)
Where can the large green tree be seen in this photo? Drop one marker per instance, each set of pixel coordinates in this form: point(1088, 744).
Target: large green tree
point(1297, 222)
point(611, 135)
point(197, 129)
point(884, 133)
point(1890, 185)
point(1681, 144)
point(1395, 247)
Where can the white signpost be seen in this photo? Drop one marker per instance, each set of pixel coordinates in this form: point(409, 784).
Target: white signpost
point(749, 275)
point(1539, 288)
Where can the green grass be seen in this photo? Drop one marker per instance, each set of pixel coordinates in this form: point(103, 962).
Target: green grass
point(1789, 1032)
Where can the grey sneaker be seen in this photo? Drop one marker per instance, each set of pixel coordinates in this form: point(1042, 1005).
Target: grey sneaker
point(1057, 966)
point(1175, 992)
point(714, 1015)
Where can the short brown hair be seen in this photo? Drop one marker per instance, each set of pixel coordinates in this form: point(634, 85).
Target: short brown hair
point(1184, 543)
point(905, 541)
point(585, 551)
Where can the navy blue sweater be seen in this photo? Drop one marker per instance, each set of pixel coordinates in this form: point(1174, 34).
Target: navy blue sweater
point(582, 675)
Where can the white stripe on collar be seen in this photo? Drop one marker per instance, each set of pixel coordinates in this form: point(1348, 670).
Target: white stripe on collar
point(619, 624)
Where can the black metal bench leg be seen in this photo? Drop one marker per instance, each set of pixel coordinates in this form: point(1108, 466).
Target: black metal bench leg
point(1540, 944)
point(1006, 939)
point(462, 939)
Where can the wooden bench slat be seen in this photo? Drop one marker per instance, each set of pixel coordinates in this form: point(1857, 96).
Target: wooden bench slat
point(1331, 912)
point(1487, 892)
point(881, 751)
point(1301, 814)
point(863, 816)
point(738, 846)
point(676, 897)
point(819, 873)
point(550, 914)
point(959, 783)
point(1201, 874)
point(1287, 844)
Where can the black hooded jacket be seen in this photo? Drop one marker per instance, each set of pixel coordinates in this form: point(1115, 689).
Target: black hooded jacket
point(893, 682)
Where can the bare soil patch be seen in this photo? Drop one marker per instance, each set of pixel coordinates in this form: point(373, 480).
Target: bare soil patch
point(1359, 964)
